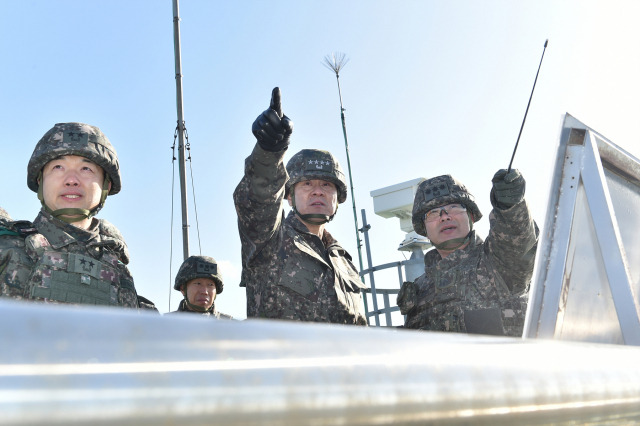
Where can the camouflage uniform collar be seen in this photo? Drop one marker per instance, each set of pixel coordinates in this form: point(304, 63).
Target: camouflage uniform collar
point(61, 234)
point(432, 257)
point(293, 220)
point(183, 308)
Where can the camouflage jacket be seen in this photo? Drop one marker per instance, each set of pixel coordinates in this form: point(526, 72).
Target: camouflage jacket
point(482, 288)
point(52, 261)
point(288, 272)
point(212, 312)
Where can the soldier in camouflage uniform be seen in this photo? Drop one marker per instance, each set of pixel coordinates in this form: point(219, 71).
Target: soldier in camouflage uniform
point(469, 285)
point(293, 268)
point(67, 255)
point(199, 281)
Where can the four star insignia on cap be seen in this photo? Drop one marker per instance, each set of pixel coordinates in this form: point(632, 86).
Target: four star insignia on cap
point(318, 164)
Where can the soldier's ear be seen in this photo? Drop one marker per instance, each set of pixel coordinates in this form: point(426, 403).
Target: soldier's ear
point(289, 200)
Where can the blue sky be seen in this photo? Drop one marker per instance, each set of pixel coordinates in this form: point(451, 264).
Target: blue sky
point(431, 87)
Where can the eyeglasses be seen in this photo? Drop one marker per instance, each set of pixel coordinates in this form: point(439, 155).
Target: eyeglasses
point(450, 210)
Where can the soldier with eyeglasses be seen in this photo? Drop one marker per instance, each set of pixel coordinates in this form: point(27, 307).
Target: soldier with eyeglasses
point(471, 285)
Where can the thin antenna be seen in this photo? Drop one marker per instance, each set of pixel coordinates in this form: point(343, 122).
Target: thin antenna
point(335, 62)
point(525, 113)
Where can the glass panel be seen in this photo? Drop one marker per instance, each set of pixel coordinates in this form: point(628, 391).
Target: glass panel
point(586, 310)
point(625, 197)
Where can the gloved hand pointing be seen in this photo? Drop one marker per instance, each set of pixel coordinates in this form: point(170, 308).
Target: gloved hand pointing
point(508, 188)
point(272, 128)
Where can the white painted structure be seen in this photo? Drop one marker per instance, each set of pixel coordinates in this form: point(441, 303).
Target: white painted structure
point(587, 280)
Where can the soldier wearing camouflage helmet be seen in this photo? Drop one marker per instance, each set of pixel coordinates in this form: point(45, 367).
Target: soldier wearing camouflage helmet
point(470, 285)
point(66, 255)
point(292, 267)
point(199, 281)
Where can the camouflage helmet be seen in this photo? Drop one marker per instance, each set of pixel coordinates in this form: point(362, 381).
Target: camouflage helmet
point(198, 267)
point(75, 139)
point(440, 191)
point(316, 164)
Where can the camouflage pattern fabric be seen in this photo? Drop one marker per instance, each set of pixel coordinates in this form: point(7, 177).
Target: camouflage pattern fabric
point(75, 139)
point(482, 288)
point(56, 262)
point(4, 216)
point(440, 191)
point(146, 304)
point(316, 164)
point(198, 267)
point(212, 312)
point(288, 272)
point(112, 236)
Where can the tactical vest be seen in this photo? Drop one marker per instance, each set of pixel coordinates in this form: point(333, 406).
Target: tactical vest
point(66, 277)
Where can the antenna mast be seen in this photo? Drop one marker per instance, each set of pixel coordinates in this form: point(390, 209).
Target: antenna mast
point(528, 104)
point(335, 62)
point(180, 129)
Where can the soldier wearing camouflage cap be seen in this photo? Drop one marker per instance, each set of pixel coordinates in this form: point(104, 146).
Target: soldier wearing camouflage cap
point(471, 285)
point(199, 281)
point(66, 255)
point(292, 267)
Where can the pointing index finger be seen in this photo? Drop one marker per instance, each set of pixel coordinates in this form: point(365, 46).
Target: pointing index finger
point(276, 104)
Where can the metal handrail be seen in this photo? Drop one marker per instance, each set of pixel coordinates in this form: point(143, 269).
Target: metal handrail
point(82, 365)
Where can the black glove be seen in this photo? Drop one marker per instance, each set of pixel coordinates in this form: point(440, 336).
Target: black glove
point(272, 128)
point(508, 188)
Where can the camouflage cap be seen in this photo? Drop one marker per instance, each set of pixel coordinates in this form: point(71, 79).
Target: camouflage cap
point(75, 139)
point(440, 191)
point(316, 164)
point(198, 267)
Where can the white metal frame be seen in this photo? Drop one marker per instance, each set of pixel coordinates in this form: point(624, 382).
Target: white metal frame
point(581, 154)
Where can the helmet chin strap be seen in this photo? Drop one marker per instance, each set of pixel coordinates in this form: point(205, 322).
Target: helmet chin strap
point(312, 218)
point(456, 243)
point(71, 215)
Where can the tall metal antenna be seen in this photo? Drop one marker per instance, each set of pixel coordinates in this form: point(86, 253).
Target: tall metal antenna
point(181, 131)
point(335, 62)
point(527, 110)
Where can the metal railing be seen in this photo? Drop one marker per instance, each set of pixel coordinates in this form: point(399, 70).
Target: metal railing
point(97, 366)
point(388, 307)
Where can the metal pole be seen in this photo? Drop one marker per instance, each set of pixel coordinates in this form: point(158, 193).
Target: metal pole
point(335, 63)
point(372, 281)
point(353, 197)
point(181, 147)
